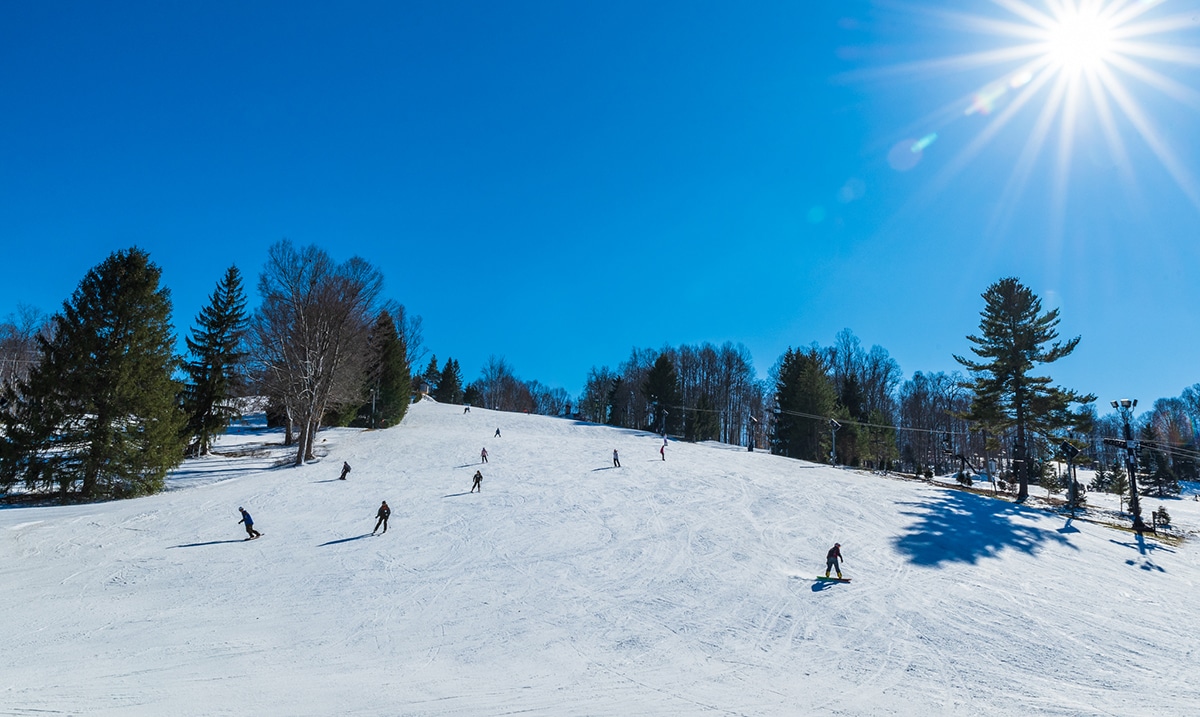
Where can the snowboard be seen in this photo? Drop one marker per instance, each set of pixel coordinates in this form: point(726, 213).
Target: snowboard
point(833, 580)
point(254, 538)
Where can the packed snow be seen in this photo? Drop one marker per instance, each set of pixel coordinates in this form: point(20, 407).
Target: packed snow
point(572, 587)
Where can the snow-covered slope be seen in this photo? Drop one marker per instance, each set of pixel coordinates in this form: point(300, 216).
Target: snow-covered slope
point(568, 587)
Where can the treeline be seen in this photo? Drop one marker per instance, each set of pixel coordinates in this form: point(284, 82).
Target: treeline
point(94, 402)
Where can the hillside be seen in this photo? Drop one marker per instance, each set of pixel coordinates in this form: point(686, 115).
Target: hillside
point(569, 587)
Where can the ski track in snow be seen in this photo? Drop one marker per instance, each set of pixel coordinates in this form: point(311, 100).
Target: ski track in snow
point(571, 588)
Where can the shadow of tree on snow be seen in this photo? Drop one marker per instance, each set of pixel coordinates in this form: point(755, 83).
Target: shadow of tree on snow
point(960, 527)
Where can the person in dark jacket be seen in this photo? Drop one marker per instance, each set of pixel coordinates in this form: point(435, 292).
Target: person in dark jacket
point(832, 558)
point(250, 531)
point(382, 514)
point(497, 433)
point(345, 471)
point(477, 483)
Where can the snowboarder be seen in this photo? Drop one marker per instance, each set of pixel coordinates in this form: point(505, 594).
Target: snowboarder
point(345, 470)
point(477, 483)
point(616, 459)
point(382, 514)
point(250, 531)
point(467, 408)
point(832, 558)
point(662, 451)
point(483, 456)
point(497, 433)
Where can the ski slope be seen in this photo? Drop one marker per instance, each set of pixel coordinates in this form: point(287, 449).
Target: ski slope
point(569, 587)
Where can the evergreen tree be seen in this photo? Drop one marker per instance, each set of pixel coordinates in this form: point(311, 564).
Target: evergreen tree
point(473, 395)
point(1160, 479)
point(1119, 483)
point(1015, 335)
point(806, 399)
point(99, 412)
point(449, 388)
point(432, 377)
point(661, 389)
point(389, 377)
point(214, 373)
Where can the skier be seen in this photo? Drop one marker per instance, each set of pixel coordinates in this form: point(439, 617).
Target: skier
point(382, 514)
point(467, 408)
point(497, 433)
point(477, 484)
point(250, 531)
point(345, 470)
point(832, 558)
point(483, 456)
point(662, 451)
point(616, 459)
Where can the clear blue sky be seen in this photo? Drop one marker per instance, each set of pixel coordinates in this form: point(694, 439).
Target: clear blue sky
point(557, 182)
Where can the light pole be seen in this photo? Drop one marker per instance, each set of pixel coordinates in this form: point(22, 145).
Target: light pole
point(1125, 407)
point(833, 427)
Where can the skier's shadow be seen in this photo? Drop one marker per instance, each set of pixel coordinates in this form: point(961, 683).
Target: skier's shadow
point(345, 540)
point(821, 585)
point(605, 468)
point(211, 542)
point(469, 465)
point(455, 495)
point(331, 480)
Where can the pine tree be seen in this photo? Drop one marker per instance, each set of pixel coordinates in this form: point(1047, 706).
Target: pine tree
point(214, 373)
point(432, 377)
point(389, 377)
point(1015, 335)
point(802, 386)
point(449, 388)
point(661, 389)
point(99, 412)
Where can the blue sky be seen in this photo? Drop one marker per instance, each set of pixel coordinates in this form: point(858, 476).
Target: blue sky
point(556, 182)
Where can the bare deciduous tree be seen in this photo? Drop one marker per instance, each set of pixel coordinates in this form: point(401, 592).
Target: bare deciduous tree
point(311, 332)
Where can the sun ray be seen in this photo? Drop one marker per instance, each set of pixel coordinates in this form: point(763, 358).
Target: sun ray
point(1116, 145)
point(1185, 56)
point(1172, 88)
point(1019, 178)
point(1183, 178)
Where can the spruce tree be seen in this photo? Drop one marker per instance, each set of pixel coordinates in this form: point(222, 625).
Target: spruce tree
point(661, 389)
point(99, 414)
point(214, 373)
point(389, 373)
point(805, 397)
point(1015, 336)
point(432, 376)
point(449, 388)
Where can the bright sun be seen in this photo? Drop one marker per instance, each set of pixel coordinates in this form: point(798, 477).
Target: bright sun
point(1080, 40)
point(1059, 61)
